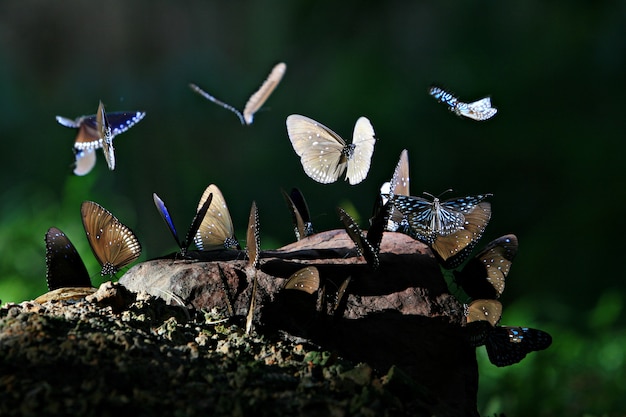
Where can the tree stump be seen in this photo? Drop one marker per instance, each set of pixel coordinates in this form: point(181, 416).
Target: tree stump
point(399, 314)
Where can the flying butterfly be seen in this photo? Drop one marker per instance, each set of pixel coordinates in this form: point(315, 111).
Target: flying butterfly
point(484, 275)
point(364, 247)
point(300, 215)
point(64, 266)
point(113, 244)
point(183, 244)
point(508, 345)
point(306, 279)
point(257, 99)
point(325, 155)
point(478, 110)
point(106, 134)
point(399, 185)
point(451, 227)
point(216, 230)
point(88, 138)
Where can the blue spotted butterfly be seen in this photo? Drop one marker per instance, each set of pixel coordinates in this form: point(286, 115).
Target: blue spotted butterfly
point(478, 110)
point(508, 345)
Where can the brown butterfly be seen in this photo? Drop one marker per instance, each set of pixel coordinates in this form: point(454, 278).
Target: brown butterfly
point(302, 225)
point(216, 230)
point(306, 279)
point(257, 99)
point(113, 244)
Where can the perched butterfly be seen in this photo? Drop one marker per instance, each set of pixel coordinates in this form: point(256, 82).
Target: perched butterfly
point(253, 241)
point(484, 310)
point(325, 155)
point(484, 275)
point(106, 134)
point(113, 244)
point(300, 215)
point(306, 279)
point(399, 185)
point(508, 345)
point(195, 224)
point(88, 138)
point(256, 100)
point(64, 266)
point(364, 247)
point(341, 298)
point(216, 230)
point(451, 227)
point(478, 110)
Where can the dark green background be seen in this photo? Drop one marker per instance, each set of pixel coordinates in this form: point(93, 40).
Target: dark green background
point(552, 156)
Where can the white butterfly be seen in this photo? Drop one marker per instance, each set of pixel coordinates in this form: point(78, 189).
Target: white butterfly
point(325, 155)
point(477, 110)
point(256, 100)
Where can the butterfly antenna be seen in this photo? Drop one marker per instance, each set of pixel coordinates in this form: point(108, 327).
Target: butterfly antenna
point(209, 97)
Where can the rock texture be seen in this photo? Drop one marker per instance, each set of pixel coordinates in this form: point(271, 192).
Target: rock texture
point(399, 316)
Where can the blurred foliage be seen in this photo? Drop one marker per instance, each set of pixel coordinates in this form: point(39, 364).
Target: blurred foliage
point(552, 156)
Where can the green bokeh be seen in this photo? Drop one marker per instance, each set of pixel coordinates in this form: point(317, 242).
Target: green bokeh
point(552, 156)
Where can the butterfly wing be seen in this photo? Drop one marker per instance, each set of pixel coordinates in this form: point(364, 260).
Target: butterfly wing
point(253, 241)
point(216, 230)
point(321, 150)
point(257, 99)
point(197, 221)
point(484, 310)
point(509, 345)
point(399, 185)
point(484, 275)
point(113, 244)
point(106, 135)
point(364, 247)
point(85, 161)
point(64, 266)
point(165, 214)
point(363, 140)
point(306, 279)
point(454, 248)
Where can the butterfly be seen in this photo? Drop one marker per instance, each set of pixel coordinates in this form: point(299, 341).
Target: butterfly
point(113, 244)
point(253, 241)
point(451, 227)
point(195, 224)
point(64, 266)
point(106, 134)
point(325, 155)
point(364, 246)
point(256, 100)
point(88, 138)
point(484, 275)
point(306, 279)
point(507, 345)
point(478, 110)
point(399, 185)
point(216, 230)
point(301, 218)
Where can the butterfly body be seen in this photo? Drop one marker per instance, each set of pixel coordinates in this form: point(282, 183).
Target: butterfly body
point(325, 156)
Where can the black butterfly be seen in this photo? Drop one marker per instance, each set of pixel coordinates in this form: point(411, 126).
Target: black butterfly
point(113, 244)
point(64, 266)
point(300, 215)
point(88, 138)
point(451, 227)
point(364, 247)
point(484, 275)
point(508, 345)
point(256, 100)
point(478, 110)
point(195, 224)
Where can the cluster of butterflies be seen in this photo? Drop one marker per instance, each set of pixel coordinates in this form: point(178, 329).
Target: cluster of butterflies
point(451, 227)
